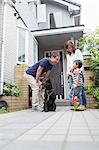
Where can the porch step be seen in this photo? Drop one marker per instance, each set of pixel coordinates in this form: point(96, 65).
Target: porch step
point(62, 102)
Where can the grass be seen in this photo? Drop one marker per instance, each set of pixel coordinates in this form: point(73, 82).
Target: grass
point(3, 110)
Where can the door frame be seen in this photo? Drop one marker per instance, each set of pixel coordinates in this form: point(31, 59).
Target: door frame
point(64, 70)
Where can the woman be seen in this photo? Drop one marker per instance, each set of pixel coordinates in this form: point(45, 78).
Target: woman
point(72, 55)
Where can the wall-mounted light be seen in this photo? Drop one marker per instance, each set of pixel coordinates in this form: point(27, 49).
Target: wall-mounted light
point(16, 15)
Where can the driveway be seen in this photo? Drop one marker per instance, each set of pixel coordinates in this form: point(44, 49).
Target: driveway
point(60, 130)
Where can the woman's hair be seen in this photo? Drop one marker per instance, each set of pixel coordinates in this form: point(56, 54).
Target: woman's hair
point(67, 43)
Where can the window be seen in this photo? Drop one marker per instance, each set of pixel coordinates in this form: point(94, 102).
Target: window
point(76, 20)
point(52, 22)
point(21, 44)
point(32, 50)
point(27, 47)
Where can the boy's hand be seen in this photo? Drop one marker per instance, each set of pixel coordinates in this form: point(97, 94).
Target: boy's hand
point(72, 70)
point(74, 85)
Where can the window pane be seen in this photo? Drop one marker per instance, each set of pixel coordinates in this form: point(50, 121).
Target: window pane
point(21, 45)
point(32, 50)
point(77, 20)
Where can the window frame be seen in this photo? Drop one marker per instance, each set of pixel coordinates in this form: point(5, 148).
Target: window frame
point(27, 33)
point(74, 19)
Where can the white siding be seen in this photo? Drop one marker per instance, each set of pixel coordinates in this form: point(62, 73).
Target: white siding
point(41, 13)
point(1, 43)
point(28, 14)
point(10, 44)
point(64, 17)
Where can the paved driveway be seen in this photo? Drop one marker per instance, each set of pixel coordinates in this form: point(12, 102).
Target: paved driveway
point(60, 130)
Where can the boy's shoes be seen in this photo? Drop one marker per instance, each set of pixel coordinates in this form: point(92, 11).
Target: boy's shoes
point(81, 108)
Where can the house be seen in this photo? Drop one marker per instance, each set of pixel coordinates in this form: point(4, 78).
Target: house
point(32, 29)
point(62, 22)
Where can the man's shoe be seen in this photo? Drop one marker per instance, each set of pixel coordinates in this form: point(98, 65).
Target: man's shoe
point(39, 108)
point(33, 108)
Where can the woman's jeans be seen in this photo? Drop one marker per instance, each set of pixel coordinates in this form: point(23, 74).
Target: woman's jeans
point(83, 92)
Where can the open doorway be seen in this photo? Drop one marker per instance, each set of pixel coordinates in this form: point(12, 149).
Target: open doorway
point(56, 75)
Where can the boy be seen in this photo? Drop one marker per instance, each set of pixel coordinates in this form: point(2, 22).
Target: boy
point(76, 89)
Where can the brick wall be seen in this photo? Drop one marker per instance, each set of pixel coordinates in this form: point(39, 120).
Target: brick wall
point(90, 101)
point(15, 103)
point(21, 82)
point(87, 74)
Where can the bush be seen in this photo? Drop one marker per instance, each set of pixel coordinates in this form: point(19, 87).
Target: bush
point(94, 91)
point(10, 89)
point(92, 42)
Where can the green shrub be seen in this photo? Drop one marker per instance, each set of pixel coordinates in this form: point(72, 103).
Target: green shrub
point(10, 89)
point(94, 91)
point(91, 41)
point(3, 110)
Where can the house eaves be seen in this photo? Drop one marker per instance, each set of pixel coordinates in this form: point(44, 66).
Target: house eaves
point(55, 38)
point(71, 2)
point(65, 3)
point(58, 31)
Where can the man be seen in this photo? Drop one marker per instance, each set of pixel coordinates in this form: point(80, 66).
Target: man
point(33, 74)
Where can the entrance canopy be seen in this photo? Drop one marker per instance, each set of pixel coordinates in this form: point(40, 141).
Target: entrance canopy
point(54, 38)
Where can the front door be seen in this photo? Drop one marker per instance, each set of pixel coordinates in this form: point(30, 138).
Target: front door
point(56, 76)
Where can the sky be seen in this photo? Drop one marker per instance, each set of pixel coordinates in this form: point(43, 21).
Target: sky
point(89, 13)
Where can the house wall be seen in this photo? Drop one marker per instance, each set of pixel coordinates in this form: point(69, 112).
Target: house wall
point(27, 12)
point(10, 43)
point(10, 36)
point(64, 16)
point(1, 40)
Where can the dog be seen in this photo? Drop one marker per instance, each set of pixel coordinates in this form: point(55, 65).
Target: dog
point(49, 97)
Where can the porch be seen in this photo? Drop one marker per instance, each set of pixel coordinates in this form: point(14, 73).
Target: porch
point(53, 40)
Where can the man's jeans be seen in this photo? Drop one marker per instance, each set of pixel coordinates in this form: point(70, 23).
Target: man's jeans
point(37, 92)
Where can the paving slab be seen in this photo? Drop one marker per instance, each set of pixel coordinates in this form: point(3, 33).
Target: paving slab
point(60, 130)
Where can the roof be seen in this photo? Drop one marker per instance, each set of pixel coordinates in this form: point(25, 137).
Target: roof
point(66, 3)
point(71, 2)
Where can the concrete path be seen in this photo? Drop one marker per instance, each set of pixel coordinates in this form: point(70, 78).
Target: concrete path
point(60, 130)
